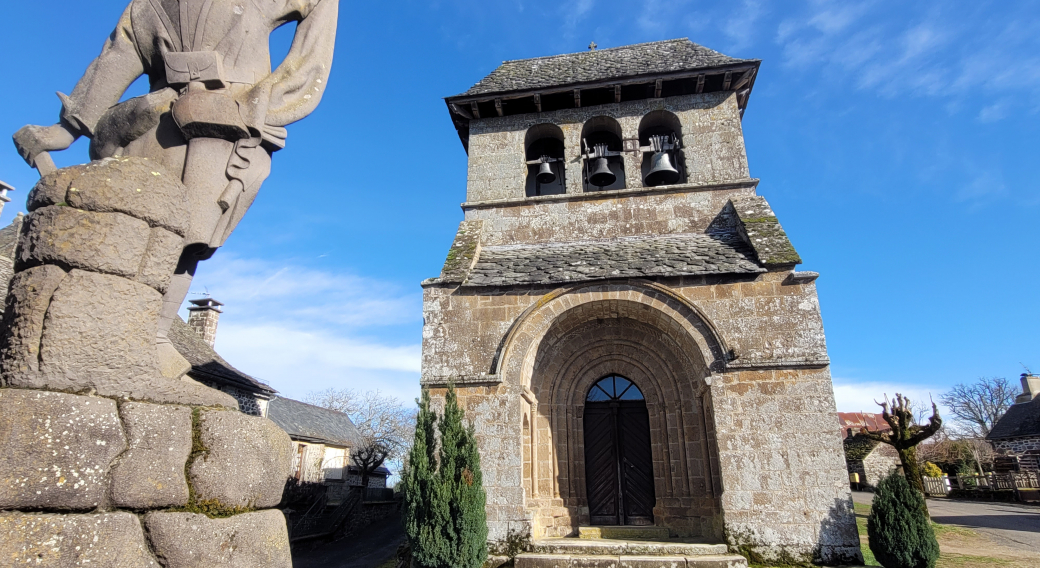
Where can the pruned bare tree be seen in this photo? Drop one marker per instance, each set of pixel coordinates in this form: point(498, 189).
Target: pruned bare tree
point(385, 427)
point(905, 434)
point(978, 406)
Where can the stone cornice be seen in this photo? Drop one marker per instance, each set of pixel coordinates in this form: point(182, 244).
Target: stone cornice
point(750, 183)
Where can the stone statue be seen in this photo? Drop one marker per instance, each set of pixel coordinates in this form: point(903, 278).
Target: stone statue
point(214, 114)
point(143, 463)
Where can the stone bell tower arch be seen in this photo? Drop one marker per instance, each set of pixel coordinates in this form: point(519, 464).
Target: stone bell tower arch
point(639, 249)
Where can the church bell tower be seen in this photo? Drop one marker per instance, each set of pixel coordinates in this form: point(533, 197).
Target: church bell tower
point(622, 315)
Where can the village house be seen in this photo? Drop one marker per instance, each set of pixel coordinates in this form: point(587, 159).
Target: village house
point(869, 459)
point(622, 317)
point(1017, 434)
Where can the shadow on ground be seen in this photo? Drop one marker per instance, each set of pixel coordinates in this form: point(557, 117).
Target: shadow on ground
point(367, 549)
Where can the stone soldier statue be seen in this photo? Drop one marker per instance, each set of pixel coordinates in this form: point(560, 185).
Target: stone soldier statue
point(214, 114)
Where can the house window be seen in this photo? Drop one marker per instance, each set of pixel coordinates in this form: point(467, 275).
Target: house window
point(334, 463)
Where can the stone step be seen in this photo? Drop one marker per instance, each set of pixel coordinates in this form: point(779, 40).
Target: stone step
point(627, 532)
point(598, 547)
point(532, 560)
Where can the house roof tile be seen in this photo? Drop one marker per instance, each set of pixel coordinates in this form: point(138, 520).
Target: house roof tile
point(657, 57)
point(311, 423)
point(1020, 420)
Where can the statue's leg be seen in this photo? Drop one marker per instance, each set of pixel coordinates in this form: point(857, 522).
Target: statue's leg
point(205, 177)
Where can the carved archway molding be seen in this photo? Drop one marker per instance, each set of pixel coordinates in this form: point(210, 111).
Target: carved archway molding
point(515, 357)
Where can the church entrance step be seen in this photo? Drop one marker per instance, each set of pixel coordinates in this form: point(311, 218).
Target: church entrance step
point(596, 547)
point(627, 532)
point(532, 560)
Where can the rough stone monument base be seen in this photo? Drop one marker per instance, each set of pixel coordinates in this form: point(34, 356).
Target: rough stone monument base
point(104, 460)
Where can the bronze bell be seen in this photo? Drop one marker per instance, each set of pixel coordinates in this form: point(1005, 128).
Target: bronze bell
point(545, 174)
point(601, 176)
point(661, 170)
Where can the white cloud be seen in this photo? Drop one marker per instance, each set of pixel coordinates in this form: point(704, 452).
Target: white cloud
point(859, 396)
point(262, 290)
point(302, 329)
point(296, 362)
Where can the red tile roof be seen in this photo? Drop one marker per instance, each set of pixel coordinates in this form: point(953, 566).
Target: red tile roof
point(858, 420)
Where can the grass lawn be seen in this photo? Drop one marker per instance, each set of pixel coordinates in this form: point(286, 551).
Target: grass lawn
point(964, 539)
point(942, 533)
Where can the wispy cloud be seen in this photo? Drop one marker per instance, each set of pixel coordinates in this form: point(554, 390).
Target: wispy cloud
point(859, 396)
point(739, 27)
point(972, 57)
point(301, 328)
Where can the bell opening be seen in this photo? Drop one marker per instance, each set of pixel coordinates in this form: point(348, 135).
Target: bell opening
point(662, 165)
point(602, 172)
point(546, 172)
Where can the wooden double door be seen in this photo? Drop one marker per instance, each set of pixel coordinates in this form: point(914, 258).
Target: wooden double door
point(619, 473)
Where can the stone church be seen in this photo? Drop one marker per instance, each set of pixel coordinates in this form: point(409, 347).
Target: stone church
point(621, 312)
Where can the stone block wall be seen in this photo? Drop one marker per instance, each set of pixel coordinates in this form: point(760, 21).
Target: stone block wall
point(879, 464)
point(773, 477)
point(1017, 446)
point(103, 460)
point(713, 143)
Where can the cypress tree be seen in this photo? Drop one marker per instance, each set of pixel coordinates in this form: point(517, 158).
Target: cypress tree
point(898, 528)
point(444, 515)
point(462, 480)
point(424, 505)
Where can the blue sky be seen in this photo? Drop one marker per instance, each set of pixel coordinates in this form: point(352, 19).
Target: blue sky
point(896, 141)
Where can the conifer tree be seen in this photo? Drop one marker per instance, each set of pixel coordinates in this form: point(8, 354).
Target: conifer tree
point(444, 515)
point(424, 503)
point(898, 528)
point(462, 480)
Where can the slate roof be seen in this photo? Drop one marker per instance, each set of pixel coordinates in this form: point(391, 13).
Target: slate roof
point(311, 423)
point(206, 364)
point(1020, 420)
point(657, 57)
point(630, 257)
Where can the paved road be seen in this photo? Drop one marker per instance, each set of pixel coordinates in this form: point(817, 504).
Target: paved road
point(367, 549)
point(1013, 525)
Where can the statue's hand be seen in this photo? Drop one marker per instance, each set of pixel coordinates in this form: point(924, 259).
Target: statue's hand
point(33, 140)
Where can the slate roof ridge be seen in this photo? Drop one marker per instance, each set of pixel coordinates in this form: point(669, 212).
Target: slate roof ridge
point(605, 241)
point(615, 48)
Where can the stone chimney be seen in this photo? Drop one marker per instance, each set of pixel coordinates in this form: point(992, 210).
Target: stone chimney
point(4, 199)
point(203, 317)
point(1030, 387)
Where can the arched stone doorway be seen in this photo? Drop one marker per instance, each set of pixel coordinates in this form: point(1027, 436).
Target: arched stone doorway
point(619, 469)
point(567, 344)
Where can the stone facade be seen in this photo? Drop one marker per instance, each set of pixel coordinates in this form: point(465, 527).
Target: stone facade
point(726, 344)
